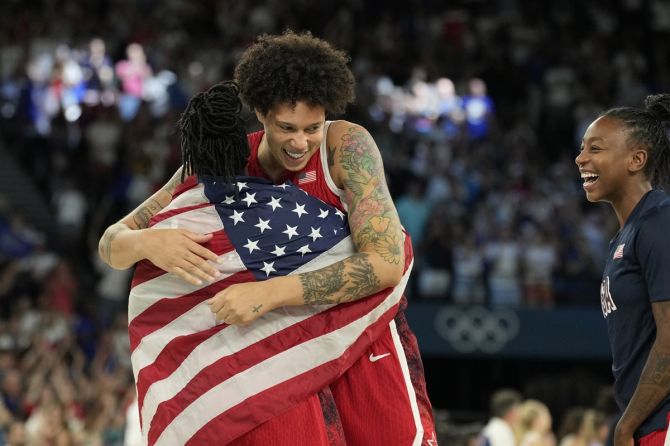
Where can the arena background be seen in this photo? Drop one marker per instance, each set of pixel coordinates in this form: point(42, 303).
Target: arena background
point(478, 108)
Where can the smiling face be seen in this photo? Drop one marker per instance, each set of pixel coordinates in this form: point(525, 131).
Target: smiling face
point(292, 135)
point(606, 162)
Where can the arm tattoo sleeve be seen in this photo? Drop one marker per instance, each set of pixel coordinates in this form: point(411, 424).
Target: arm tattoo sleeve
point(363, 280)
point(344, 281)
point(372, 215)
point(321, 286)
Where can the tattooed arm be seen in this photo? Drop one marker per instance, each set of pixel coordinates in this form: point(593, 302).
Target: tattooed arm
point(174, 250)
point(654, 384)
point(356, 167)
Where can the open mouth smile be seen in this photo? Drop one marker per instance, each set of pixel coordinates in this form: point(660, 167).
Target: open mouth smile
point(589, 179)
point(294, 155)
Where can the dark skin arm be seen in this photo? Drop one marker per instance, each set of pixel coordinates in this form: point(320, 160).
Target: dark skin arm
point(654, 384)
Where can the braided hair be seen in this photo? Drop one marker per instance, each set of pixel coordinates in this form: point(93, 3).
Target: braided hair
point(213, 138)
point(648, 127)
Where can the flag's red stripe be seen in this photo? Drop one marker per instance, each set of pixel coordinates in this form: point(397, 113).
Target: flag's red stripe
point(334, 318)
point(151, 374)
point(218, 244)
point(313, 327)
point(189, 182)
point(269, 403)
point(166, 310)
point(172, 212)
point(145, 270)
point(225, 367)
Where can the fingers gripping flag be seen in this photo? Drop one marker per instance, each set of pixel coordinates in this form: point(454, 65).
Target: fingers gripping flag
point(201, 381)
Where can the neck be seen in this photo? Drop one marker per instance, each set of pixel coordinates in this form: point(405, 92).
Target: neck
point(273, 169)
point(624, 205)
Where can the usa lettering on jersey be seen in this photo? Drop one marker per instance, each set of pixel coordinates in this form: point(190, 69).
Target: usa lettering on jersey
point(606, 301)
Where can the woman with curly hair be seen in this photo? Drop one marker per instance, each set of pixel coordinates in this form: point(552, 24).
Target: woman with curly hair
point(294, 82)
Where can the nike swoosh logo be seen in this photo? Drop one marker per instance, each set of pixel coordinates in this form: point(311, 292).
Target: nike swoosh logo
point(374, 358)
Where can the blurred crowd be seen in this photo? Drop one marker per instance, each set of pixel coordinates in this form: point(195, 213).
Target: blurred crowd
point(478, 111)
point(515, 420)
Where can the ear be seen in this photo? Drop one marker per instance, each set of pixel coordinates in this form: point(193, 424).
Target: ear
point(260, 116)
point(638, 160)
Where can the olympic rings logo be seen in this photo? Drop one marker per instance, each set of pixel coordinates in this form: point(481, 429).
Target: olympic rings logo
point(477, 328)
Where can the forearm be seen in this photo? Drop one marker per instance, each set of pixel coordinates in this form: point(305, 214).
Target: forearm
point(353, 278)
point(119, 246)
point(653, 387)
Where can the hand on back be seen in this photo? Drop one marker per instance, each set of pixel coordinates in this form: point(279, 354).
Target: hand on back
point(180, 252)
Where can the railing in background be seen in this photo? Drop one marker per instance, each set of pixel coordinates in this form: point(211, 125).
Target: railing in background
point(476, 331)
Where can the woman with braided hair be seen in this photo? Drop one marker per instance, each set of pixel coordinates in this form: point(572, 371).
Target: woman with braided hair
point(214, 141)
point(293, 82)
point(169, 321)
point(625, 161)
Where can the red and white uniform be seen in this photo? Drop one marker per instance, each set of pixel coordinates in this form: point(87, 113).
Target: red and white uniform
point(382, 398)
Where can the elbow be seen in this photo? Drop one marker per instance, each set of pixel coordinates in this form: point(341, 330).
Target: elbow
point(105, 248)
point(392, 274)
point(398, 273)
point(105, 254)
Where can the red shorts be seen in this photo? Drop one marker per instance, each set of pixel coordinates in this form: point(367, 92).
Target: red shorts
point(303, 424)
point(381, 399)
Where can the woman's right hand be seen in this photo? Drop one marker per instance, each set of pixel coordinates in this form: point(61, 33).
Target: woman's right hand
point(180, 252)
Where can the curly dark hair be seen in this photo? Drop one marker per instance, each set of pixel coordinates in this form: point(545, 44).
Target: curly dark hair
point(292, 67)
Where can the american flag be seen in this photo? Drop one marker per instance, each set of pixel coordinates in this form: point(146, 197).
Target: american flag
point(618, 253)
point(199, 381)
point(307, 177)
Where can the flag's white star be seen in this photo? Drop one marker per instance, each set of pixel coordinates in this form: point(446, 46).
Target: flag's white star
point(283, 185)
point(290, 231)
point(299, 209)
point(237, 217)
point(250, 198)
point(229, 200)
point(268, 268)
point(323, 213)
point(241, 185)
point(252, 246)
point(279, 251)
point(315, 234)
point(274, 202)
point(339, 213)
point(263, 224)
point(304, 250)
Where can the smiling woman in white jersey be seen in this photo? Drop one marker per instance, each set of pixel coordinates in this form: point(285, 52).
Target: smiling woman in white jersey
point(625, 161)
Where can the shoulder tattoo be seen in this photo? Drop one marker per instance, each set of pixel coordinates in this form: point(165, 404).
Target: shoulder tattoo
point(372, 215)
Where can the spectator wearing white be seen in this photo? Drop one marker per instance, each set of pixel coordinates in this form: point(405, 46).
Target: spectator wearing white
point(499, 431)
